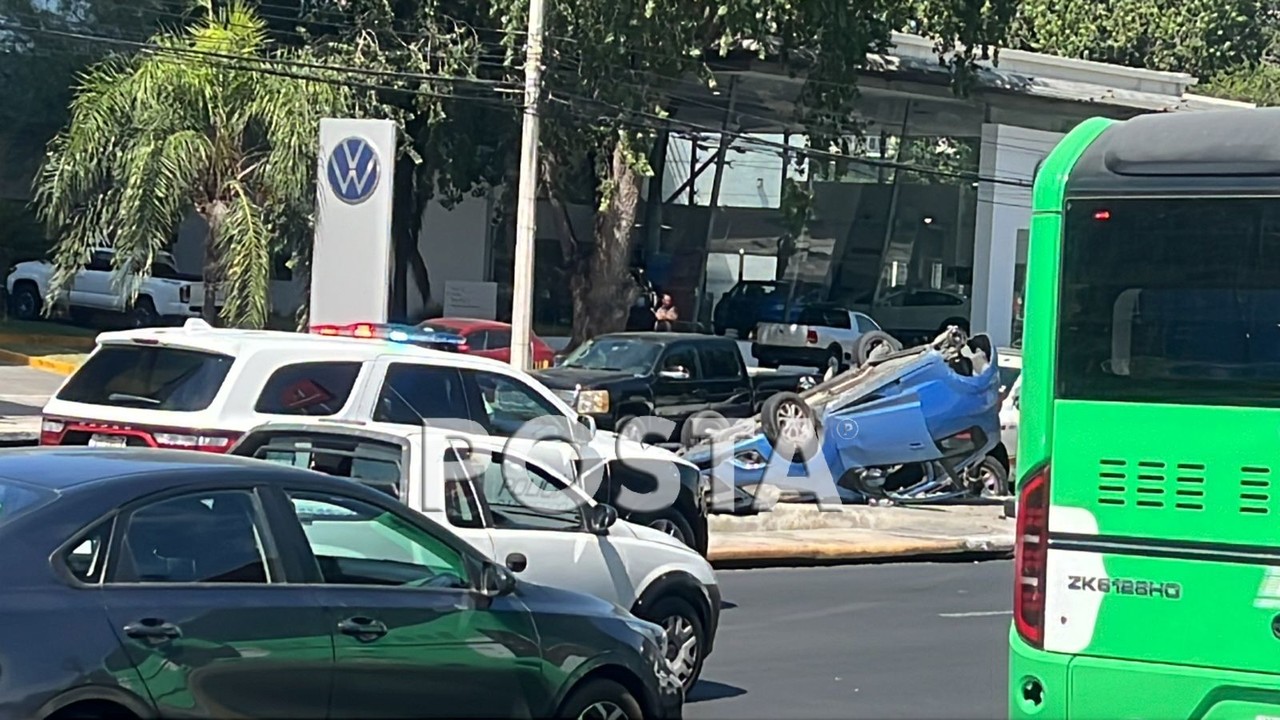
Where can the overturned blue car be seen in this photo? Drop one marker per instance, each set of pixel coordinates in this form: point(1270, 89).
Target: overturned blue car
point(916, 425)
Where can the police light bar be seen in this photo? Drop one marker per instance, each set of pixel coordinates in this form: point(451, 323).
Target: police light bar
point(407, 334)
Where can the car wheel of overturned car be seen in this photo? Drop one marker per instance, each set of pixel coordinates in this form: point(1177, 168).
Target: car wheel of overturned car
point(601, 700)
point(790, 425)
point(874, 345)
point(700, 426)
point(988, 479)
point(686, 637)
point(639, 429)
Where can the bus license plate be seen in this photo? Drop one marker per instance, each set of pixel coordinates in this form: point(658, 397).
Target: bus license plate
point(108, 441)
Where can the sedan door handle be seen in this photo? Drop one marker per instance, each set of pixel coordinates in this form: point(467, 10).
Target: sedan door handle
point(152, 629)
point(364, 629)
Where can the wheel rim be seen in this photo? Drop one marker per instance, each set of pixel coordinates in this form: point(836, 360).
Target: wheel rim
point(987, 481)
point(794, 425)
point(669, 527)
point(682, 647)
point(26, 304)
point(603, 710)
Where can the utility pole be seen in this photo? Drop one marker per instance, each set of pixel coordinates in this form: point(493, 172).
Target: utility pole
point(527, 202)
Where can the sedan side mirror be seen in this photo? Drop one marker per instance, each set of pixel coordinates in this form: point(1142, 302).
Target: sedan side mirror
point(496, 581)
point(600, 518)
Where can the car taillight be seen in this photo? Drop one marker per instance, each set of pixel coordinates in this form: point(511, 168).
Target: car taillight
point(199, 441)
point(184, 294)
point(812, 337)
point(1031, 554)
point(51, 431)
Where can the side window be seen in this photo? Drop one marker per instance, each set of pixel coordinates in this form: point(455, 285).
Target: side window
point(462, 505)
point(521, 497)
point(376, 464)
point(866, 324)
point(211, 537)
point(318, 388)
point(478, 340)
point(413, 393)
point(100, 262)
point(509, 403)
point(357, 543)
point(838, 319)
point(681, 356)
point(87, 555)
point(499, 339)
point(720, 362)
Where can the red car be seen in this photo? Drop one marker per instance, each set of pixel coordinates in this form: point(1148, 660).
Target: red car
point(489, 338)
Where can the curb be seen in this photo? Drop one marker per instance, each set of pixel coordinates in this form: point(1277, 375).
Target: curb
point(54, 366)
point(843, 552)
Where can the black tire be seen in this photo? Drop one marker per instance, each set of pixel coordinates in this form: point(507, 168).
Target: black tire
point(26, 303)
point(700, 425)
point(989, 478)
point(835, 355)
point(671, 522)
point(874, 344)
point(599, 692)
point(682, 622)
point(782, 417)
point(143, 314)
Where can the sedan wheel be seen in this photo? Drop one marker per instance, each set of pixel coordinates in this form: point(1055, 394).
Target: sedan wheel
point(686, 637)
point(603, 710)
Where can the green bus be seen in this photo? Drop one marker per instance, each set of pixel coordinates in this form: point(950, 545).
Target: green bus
point(1147, 564)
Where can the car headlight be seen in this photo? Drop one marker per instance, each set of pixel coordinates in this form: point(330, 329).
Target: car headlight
point(593, 402)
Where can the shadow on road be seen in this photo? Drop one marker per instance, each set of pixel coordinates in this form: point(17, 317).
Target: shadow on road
point(711, 690)
point(726, 605)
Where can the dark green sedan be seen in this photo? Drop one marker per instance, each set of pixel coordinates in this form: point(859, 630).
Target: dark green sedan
point(162, 584)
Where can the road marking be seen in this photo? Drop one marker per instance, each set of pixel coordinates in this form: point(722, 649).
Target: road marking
point(982, 613)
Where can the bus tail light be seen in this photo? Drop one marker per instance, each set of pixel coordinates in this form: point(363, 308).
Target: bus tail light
point(1031, 553)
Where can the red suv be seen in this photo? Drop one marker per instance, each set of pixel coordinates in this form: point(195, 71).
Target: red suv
point(489, 338)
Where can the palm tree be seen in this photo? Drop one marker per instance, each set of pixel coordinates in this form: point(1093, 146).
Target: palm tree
point(210, 119)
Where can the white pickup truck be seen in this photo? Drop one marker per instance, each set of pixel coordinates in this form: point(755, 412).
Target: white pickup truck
point(824, 335)
point(165, 294)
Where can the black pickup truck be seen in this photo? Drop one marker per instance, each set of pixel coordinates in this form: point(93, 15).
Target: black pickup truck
point(615, 378)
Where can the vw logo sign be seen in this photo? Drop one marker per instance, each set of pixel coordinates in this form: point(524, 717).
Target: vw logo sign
point(353, 170)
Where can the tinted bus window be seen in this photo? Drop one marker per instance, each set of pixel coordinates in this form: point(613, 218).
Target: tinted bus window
point(1171, 301)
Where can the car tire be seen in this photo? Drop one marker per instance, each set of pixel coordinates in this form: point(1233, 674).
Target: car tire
point(143, 314)
point(701, 425)
point(26, 303)
point(789, 424)
point(632, 427)
point(601, 699)
point(685, 630)
point(989, 478)
point(873, 345)
point(671, 522)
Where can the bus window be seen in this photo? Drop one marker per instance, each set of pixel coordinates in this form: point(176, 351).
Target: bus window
point(1171, 301)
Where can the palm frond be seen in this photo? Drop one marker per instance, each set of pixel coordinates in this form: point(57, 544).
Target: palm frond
point(246, 238)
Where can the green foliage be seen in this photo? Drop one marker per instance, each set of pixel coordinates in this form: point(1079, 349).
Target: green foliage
point(213, 119)
point(1257, 83)
point(1201, 37)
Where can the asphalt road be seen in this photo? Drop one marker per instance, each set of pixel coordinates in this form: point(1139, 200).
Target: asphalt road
point(908, 641)
point(24, 390)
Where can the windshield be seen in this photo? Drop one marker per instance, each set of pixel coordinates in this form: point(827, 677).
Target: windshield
point(17, 499)
point(1172, 300)
point(148, 376)
point(621, 354)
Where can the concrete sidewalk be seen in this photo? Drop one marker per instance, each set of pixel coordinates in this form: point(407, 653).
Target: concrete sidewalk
point(807, 535)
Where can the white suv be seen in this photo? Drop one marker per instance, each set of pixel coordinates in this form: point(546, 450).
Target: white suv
point(201, 388)
point(519, 512)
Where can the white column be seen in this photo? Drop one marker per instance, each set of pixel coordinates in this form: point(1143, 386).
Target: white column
point(1007, 164)
point(351, 264)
